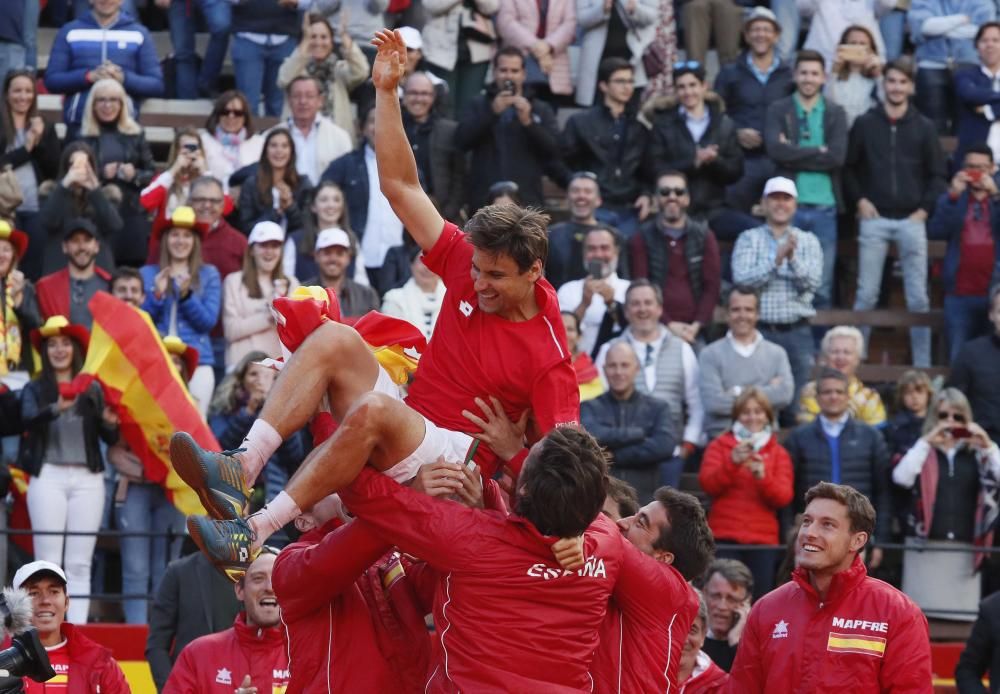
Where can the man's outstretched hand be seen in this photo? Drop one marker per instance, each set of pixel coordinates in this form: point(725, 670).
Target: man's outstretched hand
point(390, 61)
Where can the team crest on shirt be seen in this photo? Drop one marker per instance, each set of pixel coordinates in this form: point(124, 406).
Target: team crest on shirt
point(224, 676)
point(780, 630)
point(466, 308)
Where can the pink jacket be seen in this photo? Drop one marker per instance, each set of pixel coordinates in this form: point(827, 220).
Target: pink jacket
point(517, 22)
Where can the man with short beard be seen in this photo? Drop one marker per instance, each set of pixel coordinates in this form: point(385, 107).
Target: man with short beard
point(333, 255)
point(67, 292)
point(251, 653)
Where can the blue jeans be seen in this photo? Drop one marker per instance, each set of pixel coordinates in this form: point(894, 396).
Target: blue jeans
point(935, 97)
point(626, 218)
point(32, 8)
point(11, 56)
point(746, 192)
point(822, 221)
point(910, 238)
point(146, 509)
point(964, 319)
point(797, 341)
point(893, 27)
point(256, 70)
point(670, 472)
point(790, 20)
point(183, 23)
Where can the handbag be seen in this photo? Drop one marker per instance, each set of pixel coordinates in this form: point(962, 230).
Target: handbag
point(11, 196)
point(473, 26)
point(654, 58)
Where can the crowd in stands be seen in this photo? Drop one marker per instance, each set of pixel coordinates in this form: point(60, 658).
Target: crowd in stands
point(709, 197)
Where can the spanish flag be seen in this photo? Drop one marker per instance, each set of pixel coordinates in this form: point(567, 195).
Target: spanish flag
point(127, 357)
point(856, 643)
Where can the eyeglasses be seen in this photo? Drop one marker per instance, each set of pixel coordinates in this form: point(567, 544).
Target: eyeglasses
point(953, 416)
point(667, 192)
point(232, 112)
point(206, 201)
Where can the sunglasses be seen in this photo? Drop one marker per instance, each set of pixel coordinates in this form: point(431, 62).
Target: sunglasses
point(667, 192)
point(953, 416)
point(232, 112)
point(687, 65)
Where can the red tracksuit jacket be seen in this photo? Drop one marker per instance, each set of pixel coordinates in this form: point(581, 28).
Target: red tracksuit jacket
point(347, 634)
point(92, 667)
point(217, 663)
point(508, 618)
point(865, 637)
point(645, 627)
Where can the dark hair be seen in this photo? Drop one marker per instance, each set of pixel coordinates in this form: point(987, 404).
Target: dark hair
point(520, 232)
point(265, 174)
point(310, 226)
point(859, 509)
point(500, 189)
point(743, 290)
point(508, 51)
point(576, 319)
point(983, 27)
point(643, 282)
point(305, 78)
point(50, 387)
point(230, 395)
point(610, 66)
point(830, 374)
point(624, 495)
point(564, 483)
point(687, 535)
point(6, 118)
point(979, 148)
point(616, 237)
point(903, 65)
point(124, 272)
point(68, 152)
point(220, 105)
point(845, 69)
point(734, 571)
point(809, 56)
point(672, 172)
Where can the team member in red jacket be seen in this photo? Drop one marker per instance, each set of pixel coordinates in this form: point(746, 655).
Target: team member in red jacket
point(82, 666)
point(748, 477)
point(508, 618)
point(697, 673)
point(834, 628)
point(251, 654)
point(653, 606)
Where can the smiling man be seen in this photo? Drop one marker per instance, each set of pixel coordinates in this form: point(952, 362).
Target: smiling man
point(73, 656)
point(250, 654)
point(832, 624)
point(67, 292)
point(499, 333)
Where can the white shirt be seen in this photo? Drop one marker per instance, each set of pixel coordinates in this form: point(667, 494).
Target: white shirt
point(570, 296)
point(833, 427)
point(696, 126)
point(745, 351)
point(383, 230)
point(305, 150)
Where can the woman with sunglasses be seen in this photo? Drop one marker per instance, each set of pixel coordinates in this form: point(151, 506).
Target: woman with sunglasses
point(31, 147)
point(953, 471)
point(228, 139)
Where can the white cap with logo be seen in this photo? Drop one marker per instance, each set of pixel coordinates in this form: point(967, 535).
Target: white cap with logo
point(334, 236)
point(263, 232)
point(28, 570)
point(412, 38)
point(780, 184)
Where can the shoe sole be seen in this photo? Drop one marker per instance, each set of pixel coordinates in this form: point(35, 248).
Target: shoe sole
point(234, 572)
point(190, 466)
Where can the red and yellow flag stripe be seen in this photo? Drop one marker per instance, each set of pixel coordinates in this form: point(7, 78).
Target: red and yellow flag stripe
point(856, 643)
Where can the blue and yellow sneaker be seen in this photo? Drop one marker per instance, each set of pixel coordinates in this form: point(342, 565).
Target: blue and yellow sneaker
point(226, 543)
point(217, 478)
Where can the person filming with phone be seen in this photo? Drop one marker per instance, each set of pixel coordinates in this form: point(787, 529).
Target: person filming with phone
point(953, 471)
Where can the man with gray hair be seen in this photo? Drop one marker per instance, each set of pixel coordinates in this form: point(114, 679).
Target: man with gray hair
point(728, 591)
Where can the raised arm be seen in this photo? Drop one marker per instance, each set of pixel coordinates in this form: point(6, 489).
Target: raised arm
point(397, 169)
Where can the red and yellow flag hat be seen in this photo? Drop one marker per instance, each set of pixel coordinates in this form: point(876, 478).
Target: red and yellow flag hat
point(189, 354)
point(17, 238)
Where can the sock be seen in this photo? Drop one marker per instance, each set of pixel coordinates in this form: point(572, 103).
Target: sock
point(261, 443)
point(272, 518)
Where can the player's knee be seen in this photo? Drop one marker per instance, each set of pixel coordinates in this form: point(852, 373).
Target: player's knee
point(371, 412)
point(331, 340)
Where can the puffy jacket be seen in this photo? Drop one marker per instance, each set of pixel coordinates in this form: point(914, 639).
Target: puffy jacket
point(746, 99)
point(101, 673)
point(637, 431)
point(645, 627)
point(743, 507)
point(217, 663)
point(673, 147)
point(864, 465)
point(83, 44)
point(589, 143)
point(947, 224)
point(196, 314)
point(898, 166)
point(863, 637)
point(491, 565)
point(707, 677)
point(346, 631)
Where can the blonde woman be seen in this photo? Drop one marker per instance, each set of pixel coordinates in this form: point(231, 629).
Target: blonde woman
point(841, 349)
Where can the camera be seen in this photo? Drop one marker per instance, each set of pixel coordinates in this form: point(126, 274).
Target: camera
point(25, 657)
point(508, 86)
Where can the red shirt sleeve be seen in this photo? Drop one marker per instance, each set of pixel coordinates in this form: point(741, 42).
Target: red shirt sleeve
point(555, 401)
point(450, 258)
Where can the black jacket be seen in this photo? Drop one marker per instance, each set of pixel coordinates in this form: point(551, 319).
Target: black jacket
point(899, 166)
point(636, 431)
point(39, 408)
point(864, 465)
point(351, 174)
point(746, 99)
point(447, 164)
point(589, 143)
point(253, 209)
point(976, 372)
point(792, 158)
point(193, 600)
point(672, 147)
point(63, 205)
point(137, 153)
point(982, 651)
point(504, 150)
point(44, 157)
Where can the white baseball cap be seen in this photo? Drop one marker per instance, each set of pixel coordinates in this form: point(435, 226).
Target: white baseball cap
point(762, 13)
point(28, 570)
point(414, 41)
point(334, 236)
point(780, 184)
point(263, 232)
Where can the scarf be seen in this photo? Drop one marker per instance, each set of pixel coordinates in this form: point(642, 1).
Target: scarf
point(231, 143)
point(666, 42)
point(10, 330)
point(325, 73)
